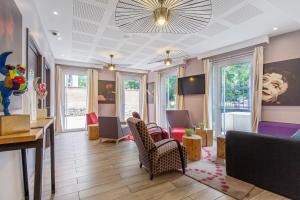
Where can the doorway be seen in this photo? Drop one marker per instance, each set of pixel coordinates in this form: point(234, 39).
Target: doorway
point(75, 100)
point(232, 96)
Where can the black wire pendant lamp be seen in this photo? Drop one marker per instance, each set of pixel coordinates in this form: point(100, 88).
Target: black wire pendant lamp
point(163, 16)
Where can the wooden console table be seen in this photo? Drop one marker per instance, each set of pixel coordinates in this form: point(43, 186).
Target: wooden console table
point(35, 138)
point(22, 141)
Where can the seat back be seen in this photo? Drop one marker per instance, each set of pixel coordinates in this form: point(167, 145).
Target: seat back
point(142, 139)
point(110, 127)
point(136, 115)
point(179, 119)
point(91, 118)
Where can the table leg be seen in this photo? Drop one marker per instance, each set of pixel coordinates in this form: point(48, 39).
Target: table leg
point(52, 158)
point(25, 173)
point(38, 170)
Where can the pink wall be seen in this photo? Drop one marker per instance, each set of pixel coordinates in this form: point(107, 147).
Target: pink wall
point(281, 48)
point(194, 103)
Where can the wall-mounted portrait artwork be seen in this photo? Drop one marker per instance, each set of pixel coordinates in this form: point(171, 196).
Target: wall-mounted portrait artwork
point(281, 83)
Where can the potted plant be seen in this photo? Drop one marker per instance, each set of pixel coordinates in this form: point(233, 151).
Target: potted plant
point(189, 132)
point(202, 125)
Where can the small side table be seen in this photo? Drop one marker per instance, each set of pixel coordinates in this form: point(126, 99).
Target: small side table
point(93, 132)
point(221, 145)
point(193, 146)
point(207, 137)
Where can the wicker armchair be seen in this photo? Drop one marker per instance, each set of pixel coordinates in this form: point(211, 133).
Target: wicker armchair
point(166, 155)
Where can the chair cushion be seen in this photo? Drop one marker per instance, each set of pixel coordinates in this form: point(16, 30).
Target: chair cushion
point(178, 133)
point(91, 118)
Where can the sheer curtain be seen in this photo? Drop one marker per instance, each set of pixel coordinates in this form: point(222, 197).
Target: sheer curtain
point(59, 86)
point(258, 60)
point(93, 91)
point(180, 98)
point(118, 94)
point(157, 98)
point(144, 99)
point(207, 115)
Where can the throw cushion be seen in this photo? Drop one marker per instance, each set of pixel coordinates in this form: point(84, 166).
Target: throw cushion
point(296, 136)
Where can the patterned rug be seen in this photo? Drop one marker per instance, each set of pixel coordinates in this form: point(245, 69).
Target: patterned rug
point(212, 172)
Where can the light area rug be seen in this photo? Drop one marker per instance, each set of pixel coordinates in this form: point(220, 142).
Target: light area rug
point(211, 171)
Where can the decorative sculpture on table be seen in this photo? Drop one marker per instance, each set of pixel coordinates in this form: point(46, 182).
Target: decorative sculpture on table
point(41, 93)
point(14, 82)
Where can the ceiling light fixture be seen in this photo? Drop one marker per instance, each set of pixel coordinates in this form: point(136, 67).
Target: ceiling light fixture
point(168, 61)
point(111, 66)
point(59, 38)
point(55, 13)
point(275, 29)
point(163, 16)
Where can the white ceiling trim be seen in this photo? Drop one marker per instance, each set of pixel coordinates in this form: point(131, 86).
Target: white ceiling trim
point(77, 64)
point(237, 46)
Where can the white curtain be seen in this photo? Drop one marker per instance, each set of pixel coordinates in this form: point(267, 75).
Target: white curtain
point(93, 91)
point(180, 98)
point(157, 98)
point(59, 109)
point(207, 119)
point(258, 61)
point(118, 94)
point(144, 99)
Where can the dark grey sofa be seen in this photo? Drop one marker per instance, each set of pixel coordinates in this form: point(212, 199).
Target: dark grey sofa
point(265, 161)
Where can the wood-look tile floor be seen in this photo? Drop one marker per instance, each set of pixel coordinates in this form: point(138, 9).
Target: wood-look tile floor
point(106, 171)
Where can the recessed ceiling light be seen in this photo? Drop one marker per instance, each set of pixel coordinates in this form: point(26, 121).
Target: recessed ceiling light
point(59, 38)
point(55, 13)
point(62, 55)
point(275, 29)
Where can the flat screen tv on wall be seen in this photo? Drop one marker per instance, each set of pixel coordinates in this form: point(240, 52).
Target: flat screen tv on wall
point(191, 85)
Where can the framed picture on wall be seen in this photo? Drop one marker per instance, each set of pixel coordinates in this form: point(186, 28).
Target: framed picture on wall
point(106, 92)
point(150, 92)
point(281, 83)
point(11, 40)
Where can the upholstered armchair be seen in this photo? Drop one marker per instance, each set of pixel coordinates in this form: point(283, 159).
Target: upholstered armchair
point(157, 133)
point(166, 155)
point(178, 120)
point(110, 128)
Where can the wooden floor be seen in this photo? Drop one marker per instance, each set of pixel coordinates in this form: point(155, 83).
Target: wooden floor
point(96, 171)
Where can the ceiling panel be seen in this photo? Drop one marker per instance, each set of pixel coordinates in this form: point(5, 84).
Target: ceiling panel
point(88, 11)
point(243, 14)
point(85, 27)
point(214, 29)
point(78, 37)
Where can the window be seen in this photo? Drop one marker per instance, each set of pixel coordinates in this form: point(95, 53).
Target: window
point(131, 97)
point(75, 100)
point(168, 95)
point(232, 96)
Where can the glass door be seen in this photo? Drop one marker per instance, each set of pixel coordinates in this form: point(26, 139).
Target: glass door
point(131, 96)
point(168, 95)
point(75, 100)
point(232, 97)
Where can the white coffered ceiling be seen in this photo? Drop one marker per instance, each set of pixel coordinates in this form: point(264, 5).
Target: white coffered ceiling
point(88, 31)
